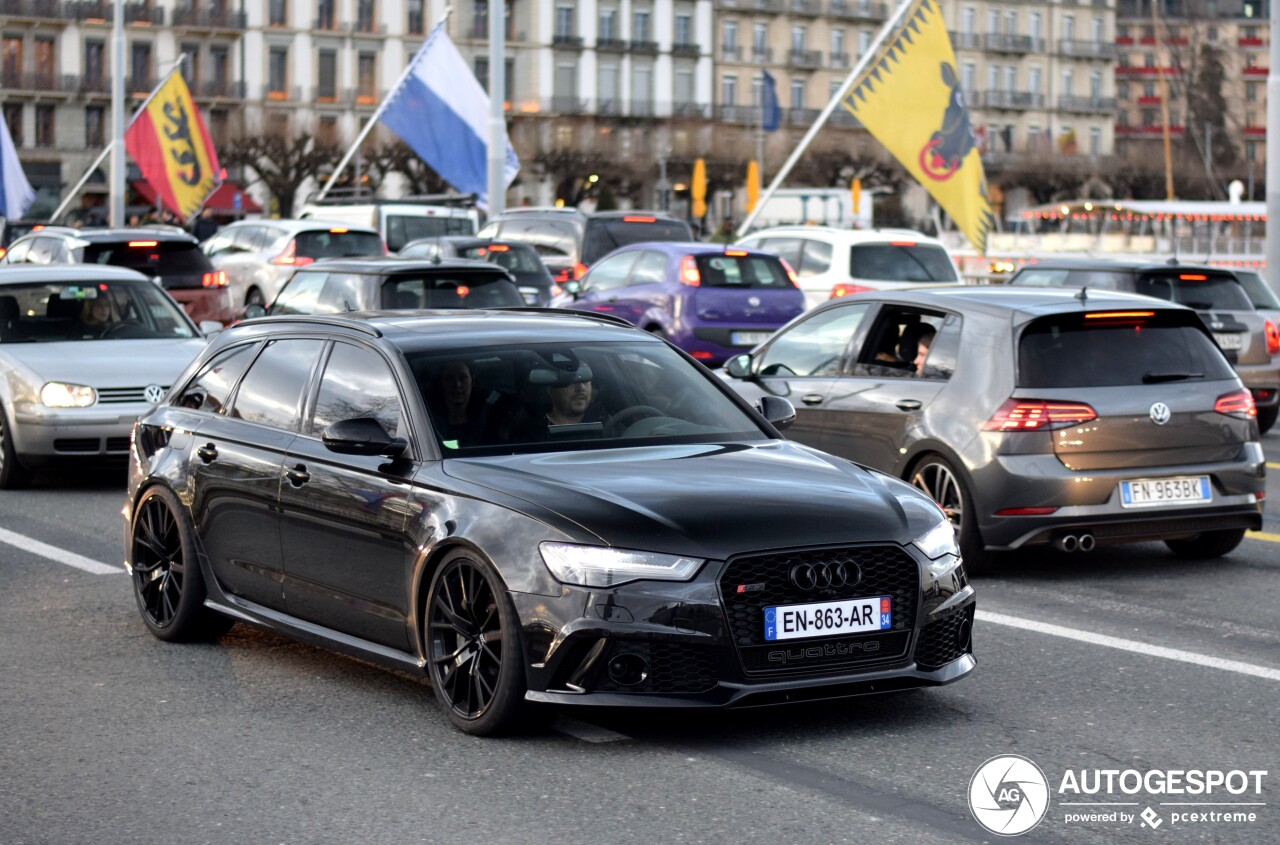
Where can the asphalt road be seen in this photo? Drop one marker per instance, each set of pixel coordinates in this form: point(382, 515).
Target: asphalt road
point(1125, 659)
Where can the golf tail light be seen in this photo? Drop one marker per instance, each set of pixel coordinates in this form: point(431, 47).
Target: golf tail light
point(847, 289)
point(290, 256)
point(689, 274)
point(1273, 339)
point(1237, 404)
point(1039, 415)
point(217, 279)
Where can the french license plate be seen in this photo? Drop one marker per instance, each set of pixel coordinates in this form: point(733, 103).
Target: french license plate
point(1229, 340)
point(828, 618)
point(1188, 490)
point(749, 338)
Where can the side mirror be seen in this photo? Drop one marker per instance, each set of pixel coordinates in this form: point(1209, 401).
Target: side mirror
point(573, 288)
point(362, 436)
point(208, 327)
point(739, 366)
point(253, 310)
point(778, 411)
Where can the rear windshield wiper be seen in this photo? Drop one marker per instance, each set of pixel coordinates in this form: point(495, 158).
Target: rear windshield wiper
point(1199, 306)
point(1159, 378)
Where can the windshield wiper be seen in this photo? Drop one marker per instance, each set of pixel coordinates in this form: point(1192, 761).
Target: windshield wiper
point(1197, 305)
point(1160, 378)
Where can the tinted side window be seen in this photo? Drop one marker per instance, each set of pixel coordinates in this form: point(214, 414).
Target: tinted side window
point(300, 294)
point(249, 238)
point(650, 269)
point(814, 347)
point(271, 391)
point(816, 258)
point(611, 273)
point(209, 390)
point(357, 382)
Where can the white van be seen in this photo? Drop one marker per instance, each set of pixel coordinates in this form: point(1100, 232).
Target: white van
point(398, 221)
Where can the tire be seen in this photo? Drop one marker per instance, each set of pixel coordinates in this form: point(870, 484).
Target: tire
point(13, 475)
point(1267, 418)
point(254, 297)
point(474, 654)
point(938, 479)
point(1208, 544)
point(166, 576)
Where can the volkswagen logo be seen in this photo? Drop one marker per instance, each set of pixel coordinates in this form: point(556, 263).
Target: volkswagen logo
point(153, 393)
point(1160, 413)
point(825, 576)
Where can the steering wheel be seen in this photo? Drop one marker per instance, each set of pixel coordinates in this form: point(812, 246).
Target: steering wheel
point(127, 328)
point(627, 417)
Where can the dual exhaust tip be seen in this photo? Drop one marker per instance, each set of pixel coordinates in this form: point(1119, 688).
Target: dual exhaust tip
point(1075, 542)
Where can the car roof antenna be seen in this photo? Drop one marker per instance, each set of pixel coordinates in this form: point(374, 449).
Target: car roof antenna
point(1083, 295)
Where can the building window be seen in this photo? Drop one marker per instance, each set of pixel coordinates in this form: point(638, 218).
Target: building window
point(729, 35)
point(95, 126)
point(327, 131)
point(93, 58)
point(797, 93)
point(1251, 92)
point(1148, 60)
point(366, 78)
point(1122, 90)
point(864, 41)
point(364, 16)
point(1010, 78)
point(684, 30)
point(277, 73)
point(480, 67)
point(140, 67)
point(684, 86)
point(1095, 85)
point(324, 14)
point(564, 21)
point(1068, 82)
point(760, 41)
point(1095, 141)
point(46, 67)
point(1212, 34)
point(1122, 118)
point(327, 76)
point(798, 38)
point(1034, 81)
point(1034, 26)
point(416, 23)
point(1068, 27)
point(640, 25)
point(11, 60)
point(993, 77)
point(1097, 30)
point(44, 127)
point(1148, 117)
point(967, 75)
point(993, 21)
point(837, 42)
point(968, 20)
point(728, 91)
point(191, 65)
point(608, 29)
point(278, 13)
point(219, 64)
point(1010, 23)
point(13, 117)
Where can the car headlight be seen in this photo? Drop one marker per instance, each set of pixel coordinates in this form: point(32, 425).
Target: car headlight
point(597, 566)
point(56, 394)
point(940, 545)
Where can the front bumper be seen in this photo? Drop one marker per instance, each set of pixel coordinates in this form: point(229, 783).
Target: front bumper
point(50, 436)
point(658, 644)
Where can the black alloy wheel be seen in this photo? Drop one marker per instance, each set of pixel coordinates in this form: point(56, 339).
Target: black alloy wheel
point(473, 647)
point(936, 478)
point(166, 574)
point(13, 475)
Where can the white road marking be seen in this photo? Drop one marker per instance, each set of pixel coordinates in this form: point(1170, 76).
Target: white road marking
point(587, 732)
point(1130, 645)
point(57, 555)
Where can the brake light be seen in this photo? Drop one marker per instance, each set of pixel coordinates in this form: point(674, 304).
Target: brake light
point(1273, 339)
point(579, 270)
point(3, 251)
point(290, 256)
point(847, 289)
point(902, 243)
point(1038, 415)
point(639, 220)
point(1025, 511)
point(1118, 315)
point(37, 227)
point(1193, 277)
point(562, 276)
point(217, 279)
point(702, 356)
point(339, 230)
point(1238, 404)
point(735, 253)
point(142, 244)
point(498, 248)
point(463, 291)
point(689, 274)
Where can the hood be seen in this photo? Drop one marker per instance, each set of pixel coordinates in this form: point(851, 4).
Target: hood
point(710, 500)
point(107, 363)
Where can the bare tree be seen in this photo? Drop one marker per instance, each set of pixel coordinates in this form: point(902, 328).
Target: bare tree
point(282, 164)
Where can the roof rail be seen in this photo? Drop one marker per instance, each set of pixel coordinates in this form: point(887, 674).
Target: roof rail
point(343, 322)
point(362, 196)
point(566, 312)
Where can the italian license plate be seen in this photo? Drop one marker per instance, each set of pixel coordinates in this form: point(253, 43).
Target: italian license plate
point(1229, 340)
point(828, 618)
point(748, 338)
point(1188, 490)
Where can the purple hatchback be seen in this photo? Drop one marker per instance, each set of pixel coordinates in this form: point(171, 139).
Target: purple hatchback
point(711, 301)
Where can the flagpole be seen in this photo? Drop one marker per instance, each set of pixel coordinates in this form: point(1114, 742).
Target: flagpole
point(870, 54)
point(497, 115)
point(117, 189)
point(373, 121)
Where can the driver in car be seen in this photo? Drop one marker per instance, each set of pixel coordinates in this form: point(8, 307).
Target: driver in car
point(569, 404)
point(96, 317)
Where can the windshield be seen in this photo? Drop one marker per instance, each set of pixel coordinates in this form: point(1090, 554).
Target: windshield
point(1259, 294)
point(77, 311)
point(904, 262)
point(1201, 291)
point(544, 397)
point(603, 236)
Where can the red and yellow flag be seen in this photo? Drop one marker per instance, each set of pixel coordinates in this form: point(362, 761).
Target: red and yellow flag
point(172, 147)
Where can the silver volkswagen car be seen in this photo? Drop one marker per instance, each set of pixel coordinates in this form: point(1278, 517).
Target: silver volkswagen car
point(1030, 415)
point(84, 350)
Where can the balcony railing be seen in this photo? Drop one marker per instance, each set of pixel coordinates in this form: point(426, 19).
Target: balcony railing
point(644, 47)
point(611, 45)
point(1003, 43)
point(801, 117)
point(736, 114)
point(34, 9)
point(1087, 49)
point(806, 8)
point(143, 13)
point(1086, 105)
point(859, 10)
point(686, 50)
point(966, 41)
point(368, 28)
point(731, 52)
point(840, 60)
point(689, 109)
point(45, 83)
point(762, 55)
point(567, 42)
point(844, 119)
point(139, 84)
point(193, 18)
point(773, 6)
point(281, 95)
point(568, 105)
point(1015, 100)
point(805, 58)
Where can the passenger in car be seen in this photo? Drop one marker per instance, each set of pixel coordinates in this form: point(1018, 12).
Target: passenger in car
point(462, 415)
point(924, 340)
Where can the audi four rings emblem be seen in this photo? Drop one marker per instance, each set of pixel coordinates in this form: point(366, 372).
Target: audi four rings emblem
point(153, 393)
point(822, 576)
point(1160, 413)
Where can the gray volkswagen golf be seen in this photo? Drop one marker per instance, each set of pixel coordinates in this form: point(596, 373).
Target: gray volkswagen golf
point(1032, 416)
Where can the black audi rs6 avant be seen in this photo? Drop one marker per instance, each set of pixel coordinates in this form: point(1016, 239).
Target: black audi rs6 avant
point(531, 507)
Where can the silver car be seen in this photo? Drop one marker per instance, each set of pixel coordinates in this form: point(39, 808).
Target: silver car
point(1030, 415)
point(84, 351)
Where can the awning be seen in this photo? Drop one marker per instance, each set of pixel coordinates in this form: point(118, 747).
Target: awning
point(221, 201)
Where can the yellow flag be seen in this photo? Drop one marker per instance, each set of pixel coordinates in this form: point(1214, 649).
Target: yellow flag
point(910, 100)
point(698, 189)
point(753, 185)
point(172, 147)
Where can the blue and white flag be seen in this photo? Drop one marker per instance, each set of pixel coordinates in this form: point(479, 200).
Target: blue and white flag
point(16, 193)
point(770, 113)
point(442, 113)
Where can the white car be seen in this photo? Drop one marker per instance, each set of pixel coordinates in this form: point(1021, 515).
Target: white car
point(831, 262)
point(84, 351)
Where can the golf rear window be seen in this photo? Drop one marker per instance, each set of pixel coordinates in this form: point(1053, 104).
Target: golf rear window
point(905, 262)
point(328, 244)
point(742, 271)
point(512, 258)
point(604, 236)
point(1199, 290)
point(151, 258)
point(1078, 350)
